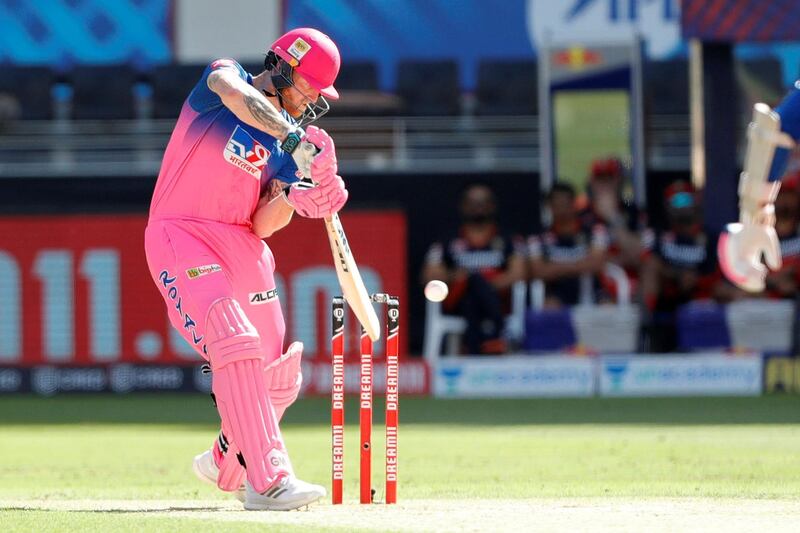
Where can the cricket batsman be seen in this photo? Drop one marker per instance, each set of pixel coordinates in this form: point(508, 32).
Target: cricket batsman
point(771, 136)
point(237, 167)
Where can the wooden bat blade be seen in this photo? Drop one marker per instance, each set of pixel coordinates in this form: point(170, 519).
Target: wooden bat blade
point(350, 280)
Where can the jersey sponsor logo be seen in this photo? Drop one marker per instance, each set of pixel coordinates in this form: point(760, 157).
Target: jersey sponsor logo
point(200, 271)
point(299, 48)
point(258, 298)
point(243, 151)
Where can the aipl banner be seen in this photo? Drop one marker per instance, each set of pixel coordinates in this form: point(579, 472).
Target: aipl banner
point(75, 290)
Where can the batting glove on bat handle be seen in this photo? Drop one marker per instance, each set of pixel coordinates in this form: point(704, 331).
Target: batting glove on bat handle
point(320, 201)
point(313, 151)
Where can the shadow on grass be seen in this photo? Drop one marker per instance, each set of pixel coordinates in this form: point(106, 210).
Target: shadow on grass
point(121, 510)
point(197, 410)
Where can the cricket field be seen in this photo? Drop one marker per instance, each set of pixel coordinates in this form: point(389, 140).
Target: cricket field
point(123, 463)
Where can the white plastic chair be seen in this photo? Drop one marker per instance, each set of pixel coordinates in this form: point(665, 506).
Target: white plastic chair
point(586, 295)
point(439, 326)
point(761, 325)
point(604, 328)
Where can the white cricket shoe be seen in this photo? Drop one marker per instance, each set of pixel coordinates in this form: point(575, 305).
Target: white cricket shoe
point(288, 494)
point(206, 470)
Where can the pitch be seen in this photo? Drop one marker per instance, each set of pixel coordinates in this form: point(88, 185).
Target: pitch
point(122, 463)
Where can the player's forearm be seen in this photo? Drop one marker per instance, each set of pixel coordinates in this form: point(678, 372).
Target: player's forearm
point(248, 104)
point(514, 273)
point(271, 215)
point(547, 271)
point(629, 243)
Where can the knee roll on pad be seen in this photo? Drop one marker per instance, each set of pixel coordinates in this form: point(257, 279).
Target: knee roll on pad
point(231, 337)
point(284, 378)
point(238, 383)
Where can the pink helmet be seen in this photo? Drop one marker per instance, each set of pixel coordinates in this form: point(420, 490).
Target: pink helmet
point(313, 55)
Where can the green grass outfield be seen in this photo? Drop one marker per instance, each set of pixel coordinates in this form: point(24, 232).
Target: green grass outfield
point(107, 448)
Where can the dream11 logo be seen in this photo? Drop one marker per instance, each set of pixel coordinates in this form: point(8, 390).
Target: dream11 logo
point(601, 22)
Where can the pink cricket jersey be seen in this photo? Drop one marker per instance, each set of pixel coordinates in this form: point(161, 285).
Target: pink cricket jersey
point(216, 167)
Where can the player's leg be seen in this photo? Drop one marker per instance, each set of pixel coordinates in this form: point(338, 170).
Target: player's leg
point(256, 286)
point(237, 358)
point(188, 286)
point(219, 465)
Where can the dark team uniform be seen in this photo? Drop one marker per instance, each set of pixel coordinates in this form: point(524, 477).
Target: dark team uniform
point(685, 253)
point(474, 297)
point(554, 248)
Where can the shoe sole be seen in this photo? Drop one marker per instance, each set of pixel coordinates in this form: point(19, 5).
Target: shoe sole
point(288, 506)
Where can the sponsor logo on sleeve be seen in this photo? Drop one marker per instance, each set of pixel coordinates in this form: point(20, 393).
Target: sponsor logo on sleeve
point(243, 151)
point(200, 271)
point(258, 298)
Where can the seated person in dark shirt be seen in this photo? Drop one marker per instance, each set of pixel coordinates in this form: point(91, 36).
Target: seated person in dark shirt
point(682, 266)
point(630, 238)
point(607, 206)
point(480, 265)
point(567, 255)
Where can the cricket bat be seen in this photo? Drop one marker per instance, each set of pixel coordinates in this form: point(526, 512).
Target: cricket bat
point(353, 289)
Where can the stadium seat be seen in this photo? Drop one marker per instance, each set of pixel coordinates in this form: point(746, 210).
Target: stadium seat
point(507, 88)
point(702, 325)
point(607, 328)
point(761, 325)
point(429, 88)
point(171, 86)
point(360, 93)
point(357, 76)
point(549, 330)
point(103, 92)
point(439, 326)
point(31, 88)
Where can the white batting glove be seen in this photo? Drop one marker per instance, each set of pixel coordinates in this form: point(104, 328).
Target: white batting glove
point(743, 244)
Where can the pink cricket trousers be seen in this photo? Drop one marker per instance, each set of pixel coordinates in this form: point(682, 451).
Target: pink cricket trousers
point(196, 262)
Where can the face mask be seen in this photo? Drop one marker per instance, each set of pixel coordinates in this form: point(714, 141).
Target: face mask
point(478, 219)
point(684, 219)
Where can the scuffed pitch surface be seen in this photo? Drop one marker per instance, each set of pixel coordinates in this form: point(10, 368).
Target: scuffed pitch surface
point(617, 514)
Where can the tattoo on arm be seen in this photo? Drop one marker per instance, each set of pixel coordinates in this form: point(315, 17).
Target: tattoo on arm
point(266, 115)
